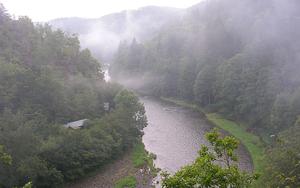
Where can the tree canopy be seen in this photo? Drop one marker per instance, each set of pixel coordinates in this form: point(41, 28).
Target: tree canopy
point(46, 81)
point(214, 168)
point(236, 58)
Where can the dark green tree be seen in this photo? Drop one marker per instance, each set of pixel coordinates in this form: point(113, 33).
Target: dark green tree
point(283, 167)
point(214, 168)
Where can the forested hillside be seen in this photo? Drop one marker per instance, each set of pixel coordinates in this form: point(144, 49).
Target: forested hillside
point(46, 81)
point(103, 35)
point(238, 58)
point(235, 59)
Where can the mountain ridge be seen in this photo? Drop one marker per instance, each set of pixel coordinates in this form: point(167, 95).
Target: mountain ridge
point(103, 35)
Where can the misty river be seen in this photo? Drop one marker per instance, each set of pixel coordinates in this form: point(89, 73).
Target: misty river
point(175, 134)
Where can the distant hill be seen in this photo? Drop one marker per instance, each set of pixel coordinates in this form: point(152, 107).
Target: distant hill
point(104, 34)
point(239, 57)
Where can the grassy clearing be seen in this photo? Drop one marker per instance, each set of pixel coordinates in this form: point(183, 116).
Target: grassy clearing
point(126, 182)
point(252, 142)
point(139, 155)
point(140, 158)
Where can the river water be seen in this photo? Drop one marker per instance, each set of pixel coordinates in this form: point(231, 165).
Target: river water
point(175, 134)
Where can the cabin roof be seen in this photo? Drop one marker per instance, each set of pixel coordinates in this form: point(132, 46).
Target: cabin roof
point(75, 124)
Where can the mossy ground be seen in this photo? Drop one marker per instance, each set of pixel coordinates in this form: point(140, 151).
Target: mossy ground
point(141, 161)
point(252, 142)
point(128, 182)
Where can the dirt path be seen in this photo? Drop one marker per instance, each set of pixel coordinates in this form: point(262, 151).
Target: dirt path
point(111, 173)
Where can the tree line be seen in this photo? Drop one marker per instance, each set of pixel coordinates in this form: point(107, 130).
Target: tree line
point(237, 58)
point(46, 81)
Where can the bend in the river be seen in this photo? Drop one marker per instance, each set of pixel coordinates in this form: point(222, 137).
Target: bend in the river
point(175, 134)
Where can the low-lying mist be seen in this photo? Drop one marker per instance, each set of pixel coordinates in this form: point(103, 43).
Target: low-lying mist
point(102, 36)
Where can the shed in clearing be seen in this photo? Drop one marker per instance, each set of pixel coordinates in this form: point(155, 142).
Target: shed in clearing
point(75, 124)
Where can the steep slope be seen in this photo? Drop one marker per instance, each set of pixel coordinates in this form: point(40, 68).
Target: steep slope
point(46, 81)
point(238, 57)
point(103, 35)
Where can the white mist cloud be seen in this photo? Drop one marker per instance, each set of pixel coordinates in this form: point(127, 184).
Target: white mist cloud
point(45, 10)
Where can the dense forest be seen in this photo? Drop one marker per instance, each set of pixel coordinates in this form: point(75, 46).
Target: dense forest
point(238, 58)
point(46, 81)
point(225, 59)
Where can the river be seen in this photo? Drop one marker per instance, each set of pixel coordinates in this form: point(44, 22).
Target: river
point(175, 134)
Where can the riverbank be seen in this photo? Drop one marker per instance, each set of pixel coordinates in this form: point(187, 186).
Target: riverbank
point(253, 143)
point(134, 169)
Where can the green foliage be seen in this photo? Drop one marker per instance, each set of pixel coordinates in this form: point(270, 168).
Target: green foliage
point(204, 86)
point(212, 58)
point(127, 101)
point(4, 157)
point(283, 167)
point(141, 158)
point(126, 182)
point(47, 81)
point(206, 172)
point(251, 141)
point(28, 185)
point(187, 79)
point(238, 68)
point(40, 173)
point(74, 153)
point(285, 110)
point(139, 155)
point(224, 147)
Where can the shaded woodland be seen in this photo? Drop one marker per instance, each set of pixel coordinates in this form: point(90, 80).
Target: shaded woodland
point(46, 81)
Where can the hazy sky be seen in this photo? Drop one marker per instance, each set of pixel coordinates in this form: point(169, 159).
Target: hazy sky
point(44, 10)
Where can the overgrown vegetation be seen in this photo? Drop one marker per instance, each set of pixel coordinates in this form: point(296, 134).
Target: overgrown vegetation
point(139, 155)
point(242, 63)
point(283, 167)
point(252, 142)
point(233, 70)
point(46, 81)
point(143, 169)
point(238, 59)
point(126, 182)
point(212, 168)
point(141, 158)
